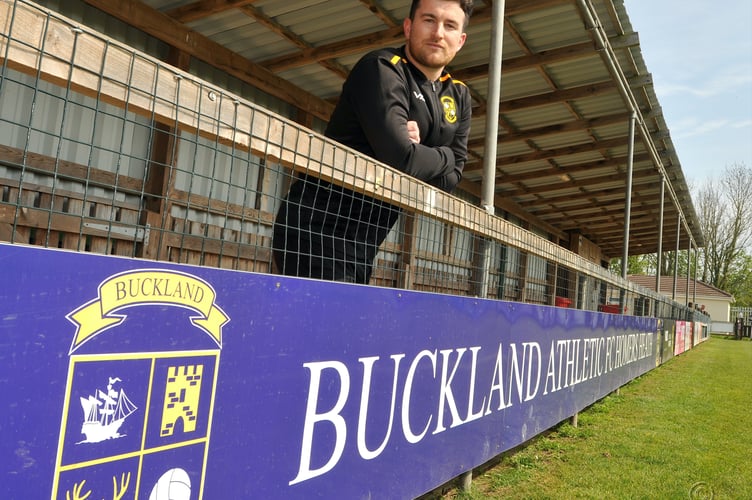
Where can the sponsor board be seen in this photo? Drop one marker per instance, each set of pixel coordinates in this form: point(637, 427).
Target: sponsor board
point(133, 379)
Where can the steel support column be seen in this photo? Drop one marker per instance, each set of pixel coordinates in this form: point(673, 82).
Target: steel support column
point(694, 278)
point(488, 187)
point(492, 106)
point(628, 195)
point(689, 271)
point(676, 257)
point(659, 250)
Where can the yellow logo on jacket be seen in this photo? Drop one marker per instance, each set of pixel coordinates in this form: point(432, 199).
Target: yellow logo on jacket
point(450, 109)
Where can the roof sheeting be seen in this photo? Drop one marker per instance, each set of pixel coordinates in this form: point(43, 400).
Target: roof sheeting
point(704, 290)
point(565, 110)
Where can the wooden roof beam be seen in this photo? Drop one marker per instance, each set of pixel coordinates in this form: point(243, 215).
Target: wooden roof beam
point(294, 38)
point(576, 184)
point(170, 31)
point(507, 137)
point(644, 212)
point(613, 162)
point(565, 151)
point(556, 96)
point(391, 35)
point(204, 8)
point(381, 13)
point(553, 97)
point(545, 57)
point(669, 242)
point(612, 226)
point(554, 210)
point(333, 50)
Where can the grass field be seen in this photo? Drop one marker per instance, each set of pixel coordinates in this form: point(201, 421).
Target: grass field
point(683, 430)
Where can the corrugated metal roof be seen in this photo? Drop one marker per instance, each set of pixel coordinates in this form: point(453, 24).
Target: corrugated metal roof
point(704, 290)
point(563, 120)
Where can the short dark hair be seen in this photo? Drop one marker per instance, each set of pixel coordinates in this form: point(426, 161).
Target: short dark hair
point(466, 5)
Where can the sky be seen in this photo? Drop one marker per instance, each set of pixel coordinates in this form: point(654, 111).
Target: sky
point(700, 56)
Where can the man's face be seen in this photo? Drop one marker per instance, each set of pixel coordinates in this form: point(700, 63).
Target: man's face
point(435, 35)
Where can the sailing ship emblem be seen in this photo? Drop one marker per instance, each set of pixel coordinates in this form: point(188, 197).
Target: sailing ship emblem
point(105, 412)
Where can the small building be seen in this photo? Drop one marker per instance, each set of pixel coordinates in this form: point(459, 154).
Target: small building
point(712, 301)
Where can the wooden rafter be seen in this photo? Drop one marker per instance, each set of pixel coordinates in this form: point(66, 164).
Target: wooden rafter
point(571, 126)
point(381, 13)
point(290, 36)
point(204, 8)
point(607, 177)
point(170, 31)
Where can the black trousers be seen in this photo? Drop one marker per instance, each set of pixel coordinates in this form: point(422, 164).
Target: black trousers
point(327, 232)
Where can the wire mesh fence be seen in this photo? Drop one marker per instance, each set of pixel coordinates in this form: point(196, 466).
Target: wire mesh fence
point(104, 149)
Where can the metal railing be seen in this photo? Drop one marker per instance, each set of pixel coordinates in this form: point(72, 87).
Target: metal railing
point(104, 149)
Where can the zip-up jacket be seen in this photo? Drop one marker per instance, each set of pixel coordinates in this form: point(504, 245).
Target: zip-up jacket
point(384, 91)
point(329, 232)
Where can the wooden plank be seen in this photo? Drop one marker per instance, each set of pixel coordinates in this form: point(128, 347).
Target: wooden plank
point(449, 284)
point(219, 207)
point(158, 173)
point(261, 267)
point(199, 244)
point(274, 184)
point(201, 9)
point(6, 231)
point(213, 234)
point(407, 261)
point(60, 168)
point(15, 215)
point(43, 201)
point(195, 229)
point(126, 248)
point(38, 219)
point(101, 244)
point(73, 240)
point(152, 248)
point(72, 195)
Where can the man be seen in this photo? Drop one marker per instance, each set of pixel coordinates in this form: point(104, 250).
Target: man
point(402, 108)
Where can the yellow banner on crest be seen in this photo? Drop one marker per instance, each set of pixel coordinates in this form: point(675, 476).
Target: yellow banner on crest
point(148, 287)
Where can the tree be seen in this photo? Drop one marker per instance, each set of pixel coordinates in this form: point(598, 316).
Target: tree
point(725, 212)
point(636, 264)
point(725, 261)
point(649, 262)
point(740, 281)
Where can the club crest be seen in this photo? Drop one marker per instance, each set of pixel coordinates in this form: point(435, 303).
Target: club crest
point(450, 109)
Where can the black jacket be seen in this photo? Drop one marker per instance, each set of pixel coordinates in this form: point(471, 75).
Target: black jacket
point(381, 94)
point(328, 232)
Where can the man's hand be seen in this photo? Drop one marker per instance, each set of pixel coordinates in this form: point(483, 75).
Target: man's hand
point(413, 132)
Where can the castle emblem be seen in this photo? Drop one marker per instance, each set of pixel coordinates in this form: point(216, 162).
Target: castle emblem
point(182, 393)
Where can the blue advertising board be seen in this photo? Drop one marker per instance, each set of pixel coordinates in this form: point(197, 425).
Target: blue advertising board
point(124, 378)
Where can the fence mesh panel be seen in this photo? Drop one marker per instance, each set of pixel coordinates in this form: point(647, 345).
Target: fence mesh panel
point(104, 149)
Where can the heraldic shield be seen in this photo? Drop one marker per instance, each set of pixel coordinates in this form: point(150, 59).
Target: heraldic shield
point(139, 394)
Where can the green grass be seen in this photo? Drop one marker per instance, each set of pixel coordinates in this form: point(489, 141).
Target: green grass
point(683, 430)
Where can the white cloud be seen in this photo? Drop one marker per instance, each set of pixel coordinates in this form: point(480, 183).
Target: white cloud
point(694, 127)
point(724, 81)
